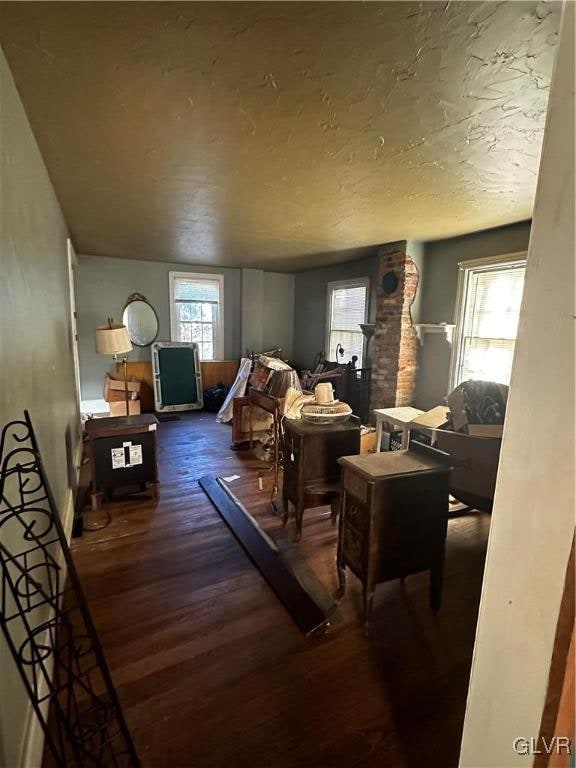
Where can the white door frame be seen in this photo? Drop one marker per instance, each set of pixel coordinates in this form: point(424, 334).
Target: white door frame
point(72, 264)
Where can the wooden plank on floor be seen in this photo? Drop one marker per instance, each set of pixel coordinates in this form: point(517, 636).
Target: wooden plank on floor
point(302, 608)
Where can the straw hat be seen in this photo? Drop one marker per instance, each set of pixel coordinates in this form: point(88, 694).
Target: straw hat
point(324, 393)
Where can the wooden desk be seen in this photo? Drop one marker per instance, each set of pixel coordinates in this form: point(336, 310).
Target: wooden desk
point(310, 462)
point(393, 520)
point(122, 452)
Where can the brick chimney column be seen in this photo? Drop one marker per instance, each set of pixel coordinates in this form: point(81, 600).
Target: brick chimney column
point(395, 349)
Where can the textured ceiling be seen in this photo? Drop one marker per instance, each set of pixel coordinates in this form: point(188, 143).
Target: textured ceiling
point(283, 135)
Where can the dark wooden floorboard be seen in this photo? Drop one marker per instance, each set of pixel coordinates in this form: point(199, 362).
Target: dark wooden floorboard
point(211, 670)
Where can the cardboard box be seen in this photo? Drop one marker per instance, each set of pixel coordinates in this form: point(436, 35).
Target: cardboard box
point(435, 418)
point(116, 384)
point(457, 407)
point(367, 439)
point(463, 420)
point(118, 395)
point(118, 408)
point(486, 430)
point(474, 474)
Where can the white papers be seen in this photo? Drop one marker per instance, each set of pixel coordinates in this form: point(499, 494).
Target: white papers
point(118, 458)
point(135, 455)
point(127, 456)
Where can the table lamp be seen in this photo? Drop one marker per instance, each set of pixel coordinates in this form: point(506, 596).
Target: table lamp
point(112, 339)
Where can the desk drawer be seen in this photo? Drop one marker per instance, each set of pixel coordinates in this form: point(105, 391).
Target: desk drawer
point(354, 549)
point(355, 515)
point(355, 486)
point(355, 532)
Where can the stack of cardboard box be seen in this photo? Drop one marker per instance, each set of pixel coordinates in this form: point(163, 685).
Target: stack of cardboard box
point(114, 394)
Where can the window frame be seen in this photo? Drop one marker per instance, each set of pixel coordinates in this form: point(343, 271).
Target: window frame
point(464, 268)
point(219, 340)
point(356, 282)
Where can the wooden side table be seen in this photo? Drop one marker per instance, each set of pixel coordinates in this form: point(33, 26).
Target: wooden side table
point(393, 520)
point(310, 462)
point(399, 417)
point(122, 452)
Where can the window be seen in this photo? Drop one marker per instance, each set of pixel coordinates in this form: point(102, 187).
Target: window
point(196, 312)
point(347, 304)
point(489, 299)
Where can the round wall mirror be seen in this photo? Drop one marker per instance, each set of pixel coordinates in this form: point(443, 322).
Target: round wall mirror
point(141, 320)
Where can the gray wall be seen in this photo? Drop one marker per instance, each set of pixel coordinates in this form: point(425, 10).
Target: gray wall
point(438, 298)
point(310, 299)
point(103, 284)
point(417, 251)
point(438, 303)
point(268, 309)
point(278, 316)
point(432, 377)
point(35, 345)
point(252, 310)
point(435, 300)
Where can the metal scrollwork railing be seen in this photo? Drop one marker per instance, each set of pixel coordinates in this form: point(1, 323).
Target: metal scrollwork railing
point(45, 620)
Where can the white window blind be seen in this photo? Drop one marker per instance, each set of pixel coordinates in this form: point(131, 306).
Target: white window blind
point(196, 312)
point(346, 310)
point(489, 315)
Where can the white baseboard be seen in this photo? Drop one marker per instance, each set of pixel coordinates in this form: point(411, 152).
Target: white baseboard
point(32, 748)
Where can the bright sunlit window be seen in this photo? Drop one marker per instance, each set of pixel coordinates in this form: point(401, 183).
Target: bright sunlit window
point(489, 299)
point(196, 312)
point(347, 306)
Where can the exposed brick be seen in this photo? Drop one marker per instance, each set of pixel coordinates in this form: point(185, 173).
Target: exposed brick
point(395, 341)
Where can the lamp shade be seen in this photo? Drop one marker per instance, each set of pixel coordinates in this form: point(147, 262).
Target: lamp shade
point(112, 340)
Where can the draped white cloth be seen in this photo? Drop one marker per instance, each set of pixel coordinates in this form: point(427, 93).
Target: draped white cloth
point(238, 389)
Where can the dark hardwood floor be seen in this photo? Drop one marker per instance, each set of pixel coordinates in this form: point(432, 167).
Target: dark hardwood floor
point(211, 670)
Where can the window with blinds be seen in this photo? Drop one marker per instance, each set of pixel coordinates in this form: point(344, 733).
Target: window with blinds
point(347, 305)
point(196, 312)
point(491, 295)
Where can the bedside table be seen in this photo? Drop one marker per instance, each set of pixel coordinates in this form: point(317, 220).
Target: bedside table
point(310, 463)
point(122, 452)
point(393, 520)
